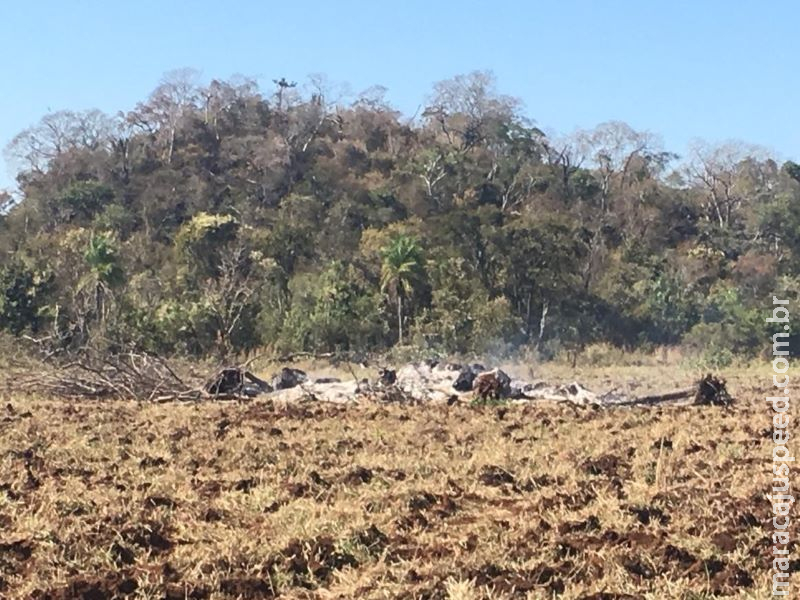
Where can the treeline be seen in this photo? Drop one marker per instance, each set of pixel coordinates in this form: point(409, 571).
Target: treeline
point(216, 219)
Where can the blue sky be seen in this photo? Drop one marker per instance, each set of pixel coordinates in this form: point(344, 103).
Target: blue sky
point(709, 69)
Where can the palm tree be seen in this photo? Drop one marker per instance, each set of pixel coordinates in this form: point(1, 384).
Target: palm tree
point(401, 270)
point(104, 273)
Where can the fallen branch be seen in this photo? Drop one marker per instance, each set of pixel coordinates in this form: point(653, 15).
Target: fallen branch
point(709, 391)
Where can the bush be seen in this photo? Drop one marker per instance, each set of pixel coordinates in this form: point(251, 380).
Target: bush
point(727, 328)
point(200, 240)
point(332, 310)
point(496, 329)
point(23, 296)
point(82, 201)
point(708, 346)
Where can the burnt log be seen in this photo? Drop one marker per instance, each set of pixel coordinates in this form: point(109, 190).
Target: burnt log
point(709, 391)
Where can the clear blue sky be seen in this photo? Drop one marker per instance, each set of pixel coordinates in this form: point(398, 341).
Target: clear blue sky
point(713, 69)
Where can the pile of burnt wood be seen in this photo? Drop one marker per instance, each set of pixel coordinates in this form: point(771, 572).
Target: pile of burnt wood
point(96, 376)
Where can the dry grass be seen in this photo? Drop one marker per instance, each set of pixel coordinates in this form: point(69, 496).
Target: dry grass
point(318, 501)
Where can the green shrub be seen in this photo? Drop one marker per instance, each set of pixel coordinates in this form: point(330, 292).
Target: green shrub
point(332, 310)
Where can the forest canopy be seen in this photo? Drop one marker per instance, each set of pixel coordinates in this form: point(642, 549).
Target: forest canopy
point(214, 219)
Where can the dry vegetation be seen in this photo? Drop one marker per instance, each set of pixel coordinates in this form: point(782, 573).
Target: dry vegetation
point(310, 500)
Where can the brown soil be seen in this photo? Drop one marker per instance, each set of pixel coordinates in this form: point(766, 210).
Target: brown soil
point(259, 500)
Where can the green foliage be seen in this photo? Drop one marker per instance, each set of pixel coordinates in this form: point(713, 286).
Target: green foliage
point(199, 240)
point(332, 310)
point(402, 271)
point(537, 265)
point(462, 317)
point(488, 401)
point(103, 260)
point(496, 329)
point(117, 218)
point(668, 308)
point(23, 297)
point(291, 233)
point(792, 170)
point(727, 328)
point(184, 326)
point(402, 266)
point(221, 222)
point(81, 201)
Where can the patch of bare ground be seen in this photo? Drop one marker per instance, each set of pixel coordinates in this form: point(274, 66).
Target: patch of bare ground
point(257, 500)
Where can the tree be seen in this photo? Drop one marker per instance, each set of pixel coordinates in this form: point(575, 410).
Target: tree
point(537, 262)
point(81, 202)
point(334, 309)
point(296, 220)
point(168, 105)
point(98, 284)
point(23, 293)
point(515, 155)
point(402, 269)
point(200, 241)
point(617, 151)
point(667, 306)
point(57, 133)
point(716, 172)
point(229, 299)
point(283, 85)
point(792, 169)
point(433, 166)
point(6, 202)
point(467, 108)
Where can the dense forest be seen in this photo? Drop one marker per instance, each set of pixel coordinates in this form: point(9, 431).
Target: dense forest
point(219, 218)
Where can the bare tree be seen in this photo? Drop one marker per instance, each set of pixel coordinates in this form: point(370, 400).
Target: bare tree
point(220, 96)
point(328, 93)
point(515, 157)
point(231, 294)
point(465, 107)
point(724, 174)
point(565, 156)
point(432, 170)
point(303, 122)
point(263, 159)
point(613, 149)
point(6, 202)
point(374, 98)
point(58, 132)
point(173, 99)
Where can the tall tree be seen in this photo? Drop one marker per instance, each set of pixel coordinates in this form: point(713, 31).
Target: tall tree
point(105, 274)
point(402, 269)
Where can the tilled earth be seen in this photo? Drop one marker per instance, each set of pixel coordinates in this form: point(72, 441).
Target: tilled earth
point(311, 500)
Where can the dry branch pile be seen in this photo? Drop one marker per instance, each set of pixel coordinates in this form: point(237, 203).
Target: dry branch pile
point(128, 376)
point(136, 376)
